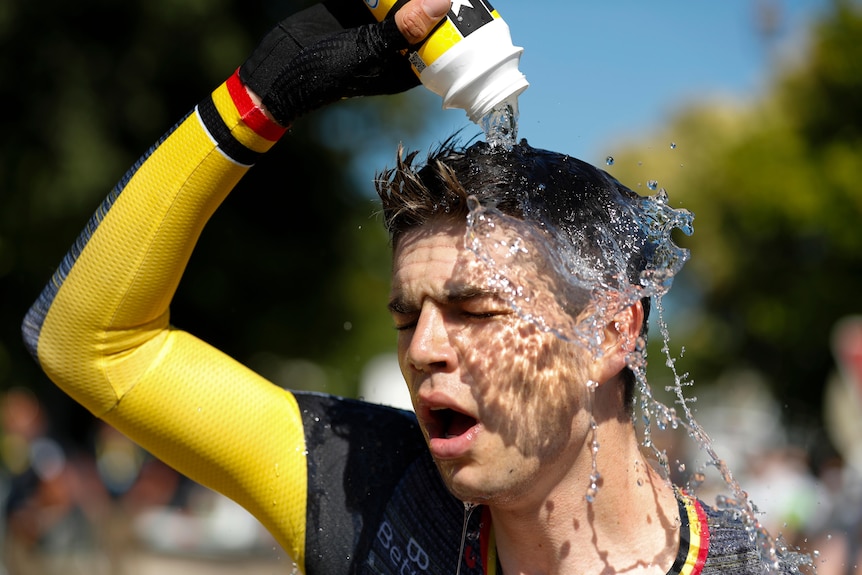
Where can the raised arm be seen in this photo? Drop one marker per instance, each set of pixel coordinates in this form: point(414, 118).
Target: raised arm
point(101, 327)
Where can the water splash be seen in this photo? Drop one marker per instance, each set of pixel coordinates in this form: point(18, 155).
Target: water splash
point(588, 264)
point(595, 476)
point(468, 511)
point(500, 125)
point(775, 554)
point(584, 280)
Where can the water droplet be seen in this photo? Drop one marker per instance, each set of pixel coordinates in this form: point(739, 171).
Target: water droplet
point(673, 145)
point(609, 160)
point(652, 184)
point(348, 326)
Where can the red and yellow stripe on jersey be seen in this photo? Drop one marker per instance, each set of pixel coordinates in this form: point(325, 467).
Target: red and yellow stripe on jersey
point(694, 537)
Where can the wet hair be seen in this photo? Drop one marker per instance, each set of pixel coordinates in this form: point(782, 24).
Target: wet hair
point(554, 191)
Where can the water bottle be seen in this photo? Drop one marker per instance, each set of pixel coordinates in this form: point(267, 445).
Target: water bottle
point(468, 59)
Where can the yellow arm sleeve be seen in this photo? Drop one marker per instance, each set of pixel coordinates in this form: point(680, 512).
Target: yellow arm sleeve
point(101, 329)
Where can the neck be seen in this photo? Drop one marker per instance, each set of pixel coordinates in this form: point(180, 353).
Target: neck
point(631, 526)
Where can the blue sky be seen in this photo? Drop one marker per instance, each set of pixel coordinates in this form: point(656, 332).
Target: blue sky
point(603, 72)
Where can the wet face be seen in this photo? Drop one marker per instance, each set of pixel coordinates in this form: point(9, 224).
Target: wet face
point(500, 402)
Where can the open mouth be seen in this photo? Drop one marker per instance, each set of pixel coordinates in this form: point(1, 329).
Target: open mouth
point(451, 433)
point(449, 423)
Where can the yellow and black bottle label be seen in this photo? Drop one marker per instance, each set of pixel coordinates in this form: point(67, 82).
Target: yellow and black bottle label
point(465, 17)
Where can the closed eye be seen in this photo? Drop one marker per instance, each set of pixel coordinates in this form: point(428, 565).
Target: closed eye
point(485, 306)
point(404, 326)
point(405, 317)
point(487, 314)
point(404, 320)
point(482, 314)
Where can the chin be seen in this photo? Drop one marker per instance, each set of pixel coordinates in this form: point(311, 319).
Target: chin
point(459, 482)
point(471, 487)
point(468, 495)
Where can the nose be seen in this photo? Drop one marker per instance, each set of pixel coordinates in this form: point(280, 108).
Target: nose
point(430, 348)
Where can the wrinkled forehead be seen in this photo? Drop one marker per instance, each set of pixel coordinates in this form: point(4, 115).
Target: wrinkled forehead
point(505, 260)
point(437, 247)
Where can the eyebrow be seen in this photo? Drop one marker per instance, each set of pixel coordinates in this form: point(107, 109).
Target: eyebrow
point(463, 293)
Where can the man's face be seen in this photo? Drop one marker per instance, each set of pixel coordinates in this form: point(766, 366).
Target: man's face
point(501, 403)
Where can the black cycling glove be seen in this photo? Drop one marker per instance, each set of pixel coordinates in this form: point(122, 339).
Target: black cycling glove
point(325, 53)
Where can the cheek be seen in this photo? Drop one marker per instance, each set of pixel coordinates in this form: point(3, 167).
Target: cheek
point(526, 384)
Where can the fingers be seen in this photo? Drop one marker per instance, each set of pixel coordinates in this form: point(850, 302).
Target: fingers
point(417, 18)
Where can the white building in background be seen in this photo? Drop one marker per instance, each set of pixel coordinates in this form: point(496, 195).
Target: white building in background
point(381, 382)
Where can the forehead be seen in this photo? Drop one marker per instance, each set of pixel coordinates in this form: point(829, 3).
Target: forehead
point(433, 261)
point(433, 252)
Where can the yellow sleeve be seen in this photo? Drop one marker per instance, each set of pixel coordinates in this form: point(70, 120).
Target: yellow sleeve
point(101, 330)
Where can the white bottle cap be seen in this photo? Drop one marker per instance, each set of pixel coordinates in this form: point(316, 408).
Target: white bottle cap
point(479, 72)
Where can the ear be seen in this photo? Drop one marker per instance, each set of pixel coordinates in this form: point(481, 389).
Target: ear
point(620, 339)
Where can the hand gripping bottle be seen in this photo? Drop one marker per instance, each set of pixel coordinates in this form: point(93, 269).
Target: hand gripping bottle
point(468, 59)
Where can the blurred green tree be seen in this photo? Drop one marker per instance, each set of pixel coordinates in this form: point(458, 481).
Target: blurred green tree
point(775, 188)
